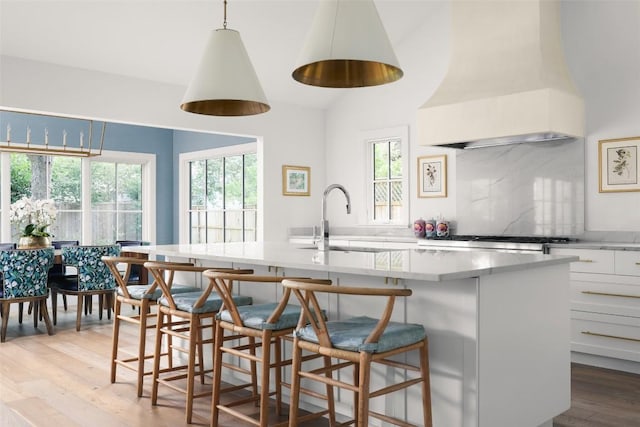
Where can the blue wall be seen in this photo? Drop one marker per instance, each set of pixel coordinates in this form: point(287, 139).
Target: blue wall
point(166, 144)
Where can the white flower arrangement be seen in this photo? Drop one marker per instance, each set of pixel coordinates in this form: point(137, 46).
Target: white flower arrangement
point(33, 216)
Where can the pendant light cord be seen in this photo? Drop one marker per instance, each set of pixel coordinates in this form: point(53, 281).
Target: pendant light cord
point(224, 23)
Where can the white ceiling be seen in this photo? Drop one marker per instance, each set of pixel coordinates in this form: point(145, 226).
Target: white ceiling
point(162, 40)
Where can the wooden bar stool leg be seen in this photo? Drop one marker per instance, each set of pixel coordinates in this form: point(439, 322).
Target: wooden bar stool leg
point(330, 402)
point(296, 363)
point(254, 375)
point(200, 348)
point(156, 357)
point(426, 384)
point(364, 366)
point(278, 374)
point(142, 339)
point(114, 342)
point(218, 341)
point(264, 378)
point(193, 338)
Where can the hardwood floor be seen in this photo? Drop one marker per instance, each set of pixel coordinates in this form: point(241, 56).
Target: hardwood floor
point(602, 398)
point(63, 380)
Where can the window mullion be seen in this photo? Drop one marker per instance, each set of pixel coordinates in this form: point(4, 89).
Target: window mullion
point(243, 198)
point(224, 199)
point(206, 200)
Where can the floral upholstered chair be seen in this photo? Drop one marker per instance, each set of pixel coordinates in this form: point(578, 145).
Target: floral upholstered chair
point(94, 278)
point(24, 279)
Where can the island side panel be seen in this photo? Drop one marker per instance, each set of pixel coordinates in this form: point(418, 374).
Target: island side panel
point(524, 357)
point(448, 312)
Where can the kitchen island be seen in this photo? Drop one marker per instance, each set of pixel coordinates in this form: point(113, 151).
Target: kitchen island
point(498, 323)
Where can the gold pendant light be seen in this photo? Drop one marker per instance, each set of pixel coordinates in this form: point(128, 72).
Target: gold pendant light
point(225, 83)
point(347, 47)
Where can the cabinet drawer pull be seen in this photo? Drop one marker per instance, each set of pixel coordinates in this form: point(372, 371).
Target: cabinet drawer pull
point(610, 295)
point(585, 260)
point(595, 334)
point(637, 262)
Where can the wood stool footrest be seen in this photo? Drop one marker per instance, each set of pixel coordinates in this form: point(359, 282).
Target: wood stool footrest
point(238, 414)
point(390, 420)
point(395, 387)
point(329, 381)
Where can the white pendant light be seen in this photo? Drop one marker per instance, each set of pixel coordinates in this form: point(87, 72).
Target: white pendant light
point(346, 47)
point(225, 83)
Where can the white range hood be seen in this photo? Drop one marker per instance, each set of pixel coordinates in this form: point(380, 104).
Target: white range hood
point(507, 80)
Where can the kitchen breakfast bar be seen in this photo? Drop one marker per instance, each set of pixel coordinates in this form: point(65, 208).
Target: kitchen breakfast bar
point(497, 323)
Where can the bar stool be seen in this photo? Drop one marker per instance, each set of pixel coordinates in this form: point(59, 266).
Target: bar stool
point(141, 297)
point(263, 326)
point(195, 313)
point(358, 342)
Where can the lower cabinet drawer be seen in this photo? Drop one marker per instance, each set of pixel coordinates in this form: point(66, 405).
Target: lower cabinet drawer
point(607, 298)
point(627, 263)
point(606, 335)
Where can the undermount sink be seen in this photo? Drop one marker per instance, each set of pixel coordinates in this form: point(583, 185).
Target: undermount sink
point(353, 249)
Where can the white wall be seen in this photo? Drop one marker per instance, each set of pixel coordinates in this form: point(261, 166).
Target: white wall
point(602, 47)
point(290, 134)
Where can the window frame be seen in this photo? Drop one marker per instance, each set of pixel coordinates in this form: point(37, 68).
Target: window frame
point(146, 160)
point(148, 163)
point(400, 133)
point(184, 180)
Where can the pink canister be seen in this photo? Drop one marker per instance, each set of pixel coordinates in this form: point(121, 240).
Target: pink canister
point(442, 228)
point(419, 228)
point(430, 229)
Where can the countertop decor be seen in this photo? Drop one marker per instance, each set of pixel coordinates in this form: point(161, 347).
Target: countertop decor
point(32, 218)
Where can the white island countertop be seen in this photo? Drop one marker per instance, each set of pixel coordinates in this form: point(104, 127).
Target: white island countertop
point(419, 264)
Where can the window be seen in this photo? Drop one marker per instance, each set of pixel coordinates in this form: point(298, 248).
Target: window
point(387, 171)
point(116, 201)
point(222, 195)
point(55, 177)
point(109, 207)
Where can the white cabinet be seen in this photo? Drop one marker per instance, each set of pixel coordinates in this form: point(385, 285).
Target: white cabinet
point(628, 263)
point(605, 306)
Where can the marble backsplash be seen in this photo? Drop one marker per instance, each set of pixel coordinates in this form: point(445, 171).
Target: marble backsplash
point(521, 189)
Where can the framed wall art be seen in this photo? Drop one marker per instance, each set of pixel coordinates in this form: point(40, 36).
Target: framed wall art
point(618, 164)
point(296, 180)
point(432, 176)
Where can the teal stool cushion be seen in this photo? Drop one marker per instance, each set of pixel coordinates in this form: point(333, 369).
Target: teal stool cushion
point(350, 334)
point(185, 302)
point(255, 316)
point(139, 291)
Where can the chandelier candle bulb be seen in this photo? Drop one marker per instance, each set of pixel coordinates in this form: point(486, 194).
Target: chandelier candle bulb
point(64, 138)
point(9, 133)
point(81, 139)
point(28, 135)
point(46, 136)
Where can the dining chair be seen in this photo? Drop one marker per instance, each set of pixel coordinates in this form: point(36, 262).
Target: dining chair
point(138, 274)
point(358, 342)
point(142, 297)
point(59, 271)
point(189, 317)
point(94, 278)
point(251, 328)
point(24, 279)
